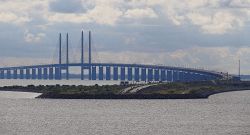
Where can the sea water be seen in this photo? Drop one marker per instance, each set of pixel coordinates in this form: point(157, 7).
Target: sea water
point(221, 114)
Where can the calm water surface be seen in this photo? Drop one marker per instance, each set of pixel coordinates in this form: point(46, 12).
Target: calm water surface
point(222, 114)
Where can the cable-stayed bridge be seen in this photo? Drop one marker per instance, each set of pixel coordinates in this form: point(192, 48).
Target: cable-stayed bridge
point(106, 71)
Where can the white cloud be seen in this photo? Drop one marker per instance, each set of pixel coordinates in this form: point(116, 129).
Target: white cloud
point(240, 3)
point(33, 38)
point(8, 17)
point(140, 13)
point(105, 15)
point(22, 13)
point(217, 23)
point(64, 17)
point(211, 16)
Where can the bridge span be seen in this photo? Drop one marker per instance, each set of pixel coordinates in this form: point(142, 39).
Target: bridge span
point(107, 71)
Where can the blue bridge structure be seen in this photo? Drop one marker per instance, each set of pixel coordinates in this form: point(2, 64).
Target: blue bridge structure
point(106, 71)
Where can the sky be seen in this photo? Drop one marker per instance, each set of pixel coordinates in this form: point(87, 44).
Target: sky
point(210, 34)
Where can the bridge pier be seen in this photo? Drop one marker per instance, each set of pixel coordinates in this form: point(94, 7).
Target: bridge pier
point(90, 73)
point(150, 74)
point(21, 75)
point(93, 73)
point(115, 75)
point(34, 73)
point(82, 73)
point(2, 74)
point(156, 74)
point(137, 74)
point(143, 74)
point(8, 74)
point(108, 73)
point(51, 73)
point(100, 74)
point(57, 73)
point(39, 77)
point(169, 75)
point(27, 73)
point(123, 76)
point(163, 75)
point(45, 73)
point(130, 74)
point(15, 74)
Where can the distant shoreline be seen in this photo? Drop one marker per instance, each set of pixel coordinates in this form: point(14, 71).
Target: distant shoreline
point(135, 96)
point(178, 90)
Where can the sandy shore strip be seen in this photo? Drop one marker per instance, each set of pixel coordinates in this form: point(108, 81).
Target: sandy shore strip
point(18, 95)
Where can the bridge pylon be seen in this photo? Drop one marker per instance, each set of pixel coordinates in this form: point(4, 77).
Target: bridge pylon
point(90, 71)
point(82, 56)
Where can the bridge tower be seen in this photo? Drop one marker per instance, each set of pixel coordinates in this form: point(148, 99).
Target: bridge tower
point(90, 72)
point(60, 56)
point(60, 48)
point(67, 56)
point(82, 57)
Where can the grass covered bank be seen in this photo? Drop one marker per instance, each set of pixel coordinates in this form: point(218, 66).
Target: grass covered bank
point(177, 90)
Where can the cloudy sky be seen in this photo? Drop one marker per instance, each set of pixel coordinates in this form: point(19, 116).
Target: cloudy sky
point(212, 34)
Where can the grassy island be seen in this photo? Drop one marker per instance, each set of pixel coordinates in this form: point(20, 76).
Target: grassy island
point(177, 90)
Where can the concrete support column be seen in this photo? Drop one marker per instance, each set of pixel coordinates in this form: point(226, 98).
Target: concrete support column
point(93, 73)
point(90, 73)
point(21, 75)
point(51, 73)
point(163, 75)
point(27, 74)
point(57, 73)
point(33, 73)
point(8, 74)
point(123, 73)
point(137, 74)
point(100, 73)
point(82, 73)
point(156, 75)
point(2, 74)
point(169, 75)
point(115, 75)
point(143, 74)
point(150, 74)
point(39, 73)
point(15, 74)
point(45, 73)
point(108, 73)
point(130, 74)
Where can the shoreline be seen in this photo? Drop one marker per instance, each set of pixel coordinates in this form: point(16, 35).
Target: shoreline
point(19, 95)
point(177, 90)
point(203, 95)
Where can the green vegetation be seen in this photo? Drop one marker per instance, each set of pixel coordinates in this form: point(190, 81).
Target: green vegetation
point(161, 90)
point(68, 89)
point(194, 87)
